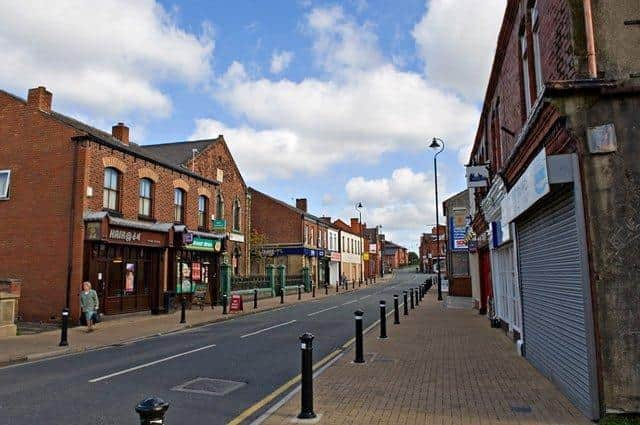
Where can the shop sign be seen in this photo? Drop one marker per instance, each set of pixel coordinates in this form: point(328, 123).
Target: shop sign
point(335, 256)
point(93, 231)
point(236, 237)
point(135, 237)
point(236, 303)
point(373, 248)
point(531, 186)
point(205, 244)
point(124, 235)
point(187, 238)
point(218, 224)
point(499, 233)
point(365, 256)
point(458, 228)
point(196, 274)
point(477, 175)
point(473, 246)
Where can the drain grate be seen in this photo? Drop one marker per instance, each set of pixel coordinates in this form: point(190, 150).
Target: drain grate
point(209, 386)
point(521, 409)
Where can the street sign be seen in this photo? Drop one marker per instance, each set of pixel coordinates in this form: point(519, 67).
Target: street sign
point(236, 303)
point(219, 224)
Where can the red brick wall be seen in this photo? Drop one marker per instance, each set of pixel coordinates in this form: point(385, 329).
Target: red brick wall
point(278, 223)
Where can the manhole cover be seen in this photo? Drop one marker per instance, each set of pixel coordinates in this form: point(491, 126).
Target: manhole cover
point(521, 409)
point(209, 386)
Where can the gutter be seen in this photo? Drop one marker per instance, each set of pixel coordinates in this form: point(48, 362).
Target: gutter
point(591, 45)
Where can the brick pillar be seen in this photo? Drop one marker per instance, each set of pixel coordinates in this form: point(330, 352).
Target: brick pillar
point(306, 278)
point(282, 276)
point(225, 278)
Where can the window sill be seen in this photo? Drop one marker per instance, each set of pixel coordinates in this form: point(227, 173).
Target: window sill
point(115, 213)
point(146, 218)
point(6, 198)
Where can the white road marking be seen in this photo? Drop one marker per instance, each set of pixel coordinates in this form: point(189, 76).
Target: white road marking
point(350, 302)
point(131, 369)
point(267, 329)
point(322, 311)
point(366, 296)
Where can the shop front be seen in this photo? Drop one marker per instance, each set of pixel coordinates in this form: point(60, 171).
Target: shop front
point(334, 268)
point(196, 265)
point(323, 267)
point(124, 262)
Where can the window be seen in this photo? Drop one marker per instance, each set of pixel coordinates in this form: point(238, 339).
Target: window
point(236, 215)
point(178, 205)
point(311, 236)
point(203, 211)
point(145, 201)
point(306, 234)
point(535, 23)
point(5, 177)
point(219, 206)
point(524, 55)
point(111, 190)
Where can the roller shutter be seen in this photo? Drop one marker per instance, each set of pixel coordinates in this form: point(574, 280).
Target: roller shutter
point(556, 307)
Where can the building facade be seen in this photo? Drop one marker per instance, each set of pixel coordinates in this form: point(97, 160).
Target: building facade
point(456, 211)
point(395, 256)
point(429, 251)
point(102, 209)
point(373, 264)
point(558, 139)
point(351, 249)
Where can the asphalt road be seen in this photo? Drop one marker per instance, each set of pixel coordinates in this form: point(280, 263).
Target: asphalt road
point(261, 351)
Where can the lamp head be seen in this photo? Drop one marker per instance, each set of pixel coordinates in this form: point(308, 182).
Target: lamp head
point(359, 205)
point(434, 144)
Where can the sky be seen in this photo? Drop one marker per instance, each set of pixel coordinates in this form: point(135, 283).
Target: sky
point(335, 102)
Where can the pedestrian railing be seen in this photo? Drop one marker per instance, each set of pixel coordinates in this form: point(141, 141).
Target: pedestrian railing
point(249, 283)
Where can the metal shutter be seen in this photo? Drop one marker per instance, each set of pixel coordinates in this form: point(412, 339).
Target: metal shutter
point(555, 307)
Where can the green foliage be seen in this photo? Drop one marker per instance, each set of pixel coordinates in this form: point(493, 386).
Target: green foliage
point(620, 420)
point(413, 258)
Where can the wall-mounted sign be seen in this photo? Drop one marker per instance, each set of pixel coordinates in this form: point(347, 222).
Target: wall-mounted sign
point(205, 244)
point(365, 256)
point(602, 139)
point(458, 230)
point(125, 235)
point(93, 231)
point(135, 237)
point(477, 175)
point(335, 256)
point(236, 237)
point(531, 186)
point(219, 224)
point(373, 248)
point(187, 238)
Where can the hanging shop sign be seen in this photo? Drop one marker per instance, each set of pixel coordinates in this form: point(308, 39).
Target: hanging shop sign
point(365, 256)
point(477, 175)
point(458, 228)
point(187, 238)
point(373, 248)
point(236, 303)
point(531, 186)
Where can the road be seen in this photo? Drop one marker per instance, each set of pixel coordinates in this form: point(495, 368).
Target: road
point(261, 352)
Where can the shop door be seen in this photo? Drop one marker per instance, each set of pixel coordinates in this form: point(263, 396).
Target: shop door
point(485, 279)
point(506, 289)
point(556, 306)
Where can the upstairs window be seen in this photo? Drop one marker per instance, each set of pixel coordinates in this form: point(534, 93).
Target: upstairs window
point(236, 215)
point(5, 179)
point(111, 189)
point(219, 206)
point(524, 55)
point(537, 62)
point(145, 200)
point(203, 211)
point(178, 205)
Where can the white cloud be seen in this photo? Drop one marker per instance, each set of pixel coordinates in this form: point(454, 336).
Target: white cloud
point(107, 56)
point(280, 61)
point(457, 43)
point(327, 199)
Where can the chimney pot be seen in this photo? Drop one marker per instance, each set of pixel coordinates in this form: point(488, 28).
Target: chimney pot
point(301, 204)
point(40, 98)
point(121, 132)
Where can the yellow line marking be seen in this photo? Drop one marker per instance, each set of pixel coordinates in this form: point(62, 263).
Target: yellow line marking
point(282, 388)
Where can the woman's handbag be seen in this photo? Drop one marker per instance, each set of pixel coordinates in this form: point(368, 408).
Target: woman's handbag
point(97, 317)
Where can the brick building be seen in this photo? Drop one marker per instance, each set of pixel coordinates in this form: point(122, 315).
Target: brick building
point(290, 236)
point(429, 252)
point(88, 205)
point(373, 265)
point(351, 245)
point(557, 139)
point(395, 256)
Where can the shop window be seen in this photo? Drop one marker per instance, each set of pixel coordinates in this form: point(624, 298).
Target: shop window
point(236, 215)
point(203, 212)
point(178, 205)
point(5, 177)
point(146, 197)
point(111, 189)
point(219, 206)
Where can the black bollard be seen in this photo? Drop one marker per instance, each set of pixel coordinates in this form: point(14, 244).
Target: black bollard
point(313, 291)
point(299, 292)
point(326, 289)
point(65, 326)
point(152, 411)
point(415, 291)
point(406, 303)
point(183, 309)
point(306, 344)
point(353, 284)
point(411, 296)
point(396, 311)
point(224, 303)
point(383, 319)
point(337, 286)
point(255, 298)
point(282, 295)
point(359, 350)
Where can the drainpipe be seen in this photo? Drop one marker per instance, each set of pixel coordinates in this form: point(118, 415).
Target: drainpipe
point(591, 45)
point(72, 213)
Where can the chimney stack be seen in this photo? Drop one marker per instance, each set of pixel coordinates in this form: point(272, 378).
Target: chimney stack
point(121, 132)
point(40, 98)
point(355, 225)
point(301, 204)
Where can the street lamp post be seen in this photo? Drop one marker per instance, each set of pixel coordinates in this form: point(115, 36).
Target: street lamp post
point(438, 146)
point(359, 209)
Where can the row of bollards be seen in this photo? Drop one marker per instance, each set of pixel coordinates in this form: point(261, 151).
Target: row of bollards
point(152, 409)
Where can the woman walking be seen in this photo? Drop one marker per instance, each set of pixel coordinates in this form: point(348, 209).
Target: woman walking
point(89, 304)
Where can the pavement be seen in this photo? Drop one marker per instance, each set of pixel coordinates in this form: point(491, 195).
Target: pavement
point(123, 329)
point(214, 373)
point(438, 366)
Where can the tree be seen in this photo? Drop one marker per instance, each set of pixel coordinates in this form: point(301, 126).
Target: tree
point(413, 258)
point(257, 241)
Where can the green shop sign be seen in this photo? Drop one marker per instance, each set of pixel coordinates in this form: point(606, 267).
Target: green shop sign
point(219, 224)
point(204, 244)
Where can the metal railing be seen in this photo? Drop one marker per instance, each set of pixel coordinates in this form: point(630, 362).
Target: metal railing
point(242, 283)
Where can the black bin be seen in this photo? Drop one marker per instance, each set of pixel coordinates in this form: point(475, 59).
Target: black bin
point(169, 302)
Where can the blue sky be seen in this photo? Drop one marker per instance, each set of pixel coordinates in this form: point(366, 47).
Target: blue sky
point(332, 101)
